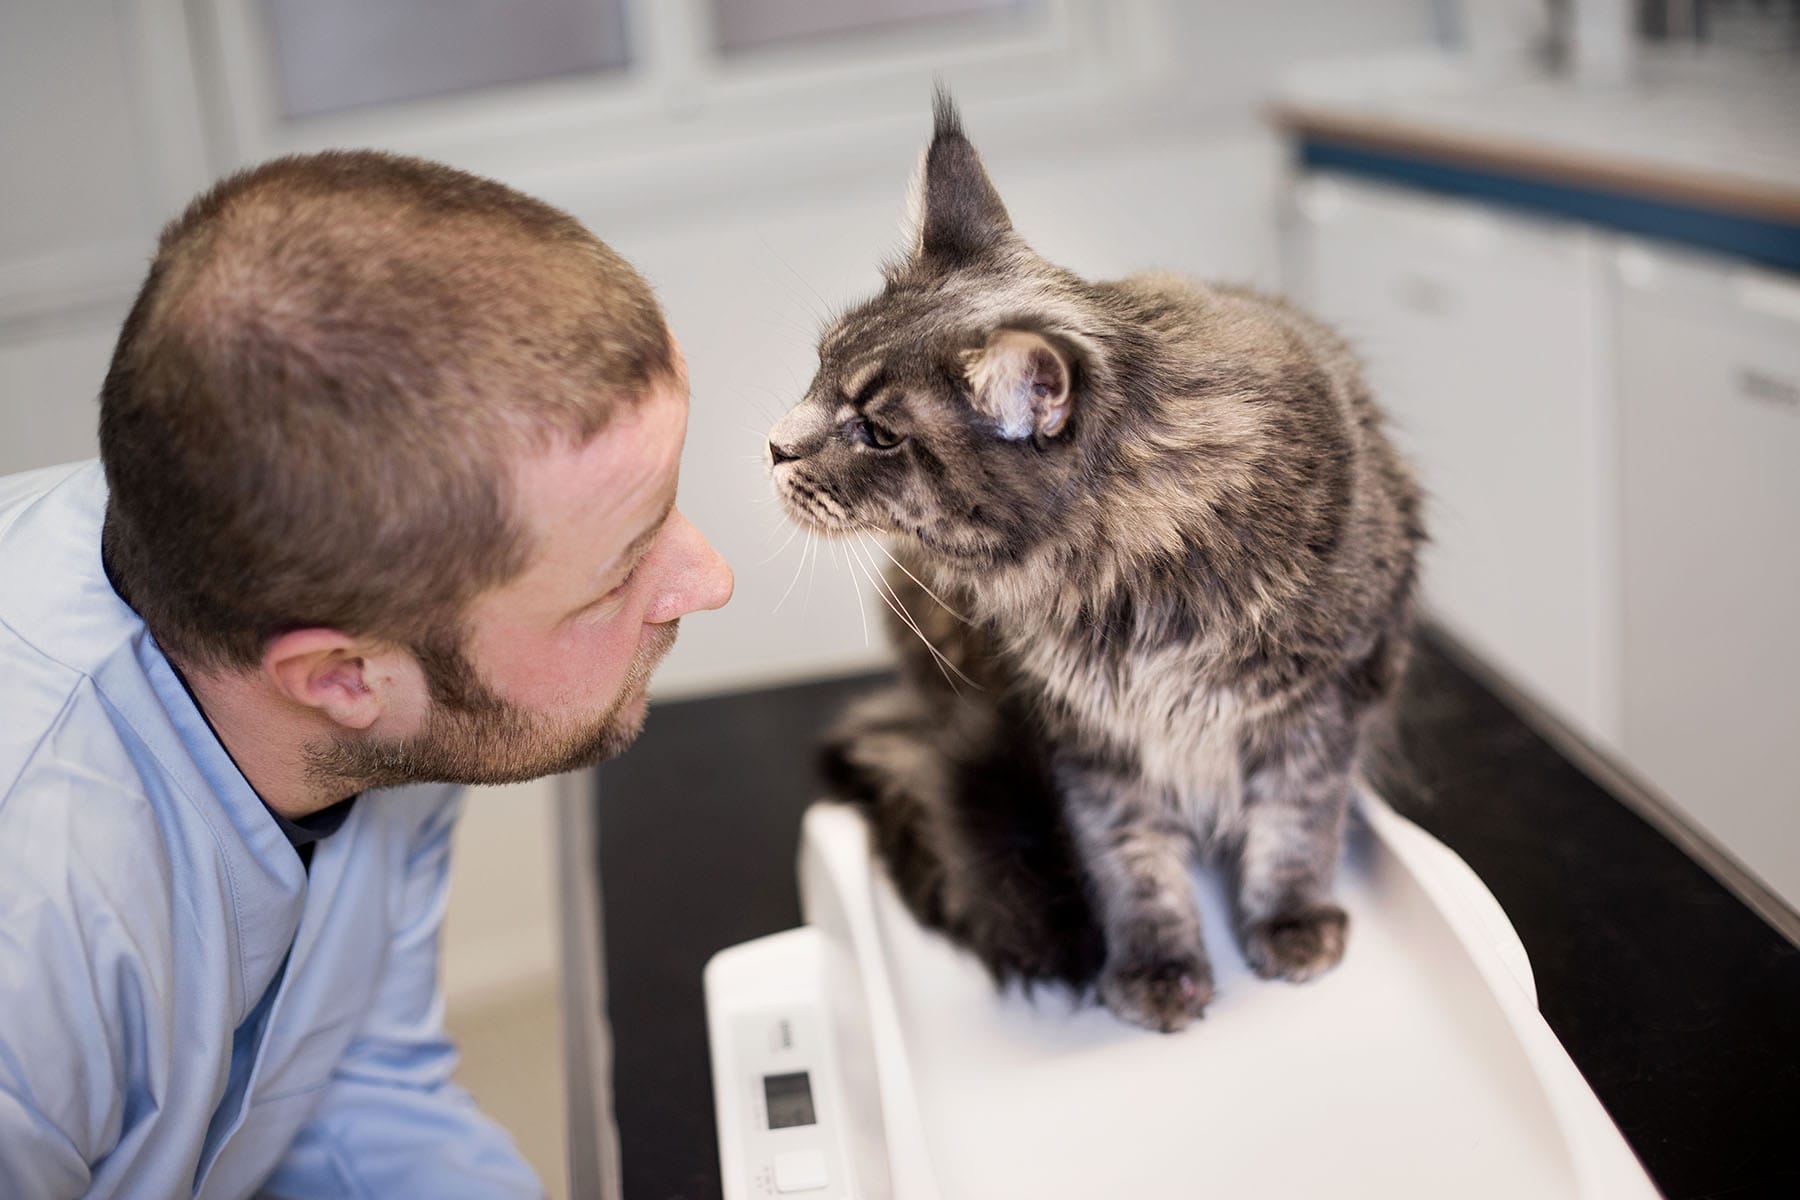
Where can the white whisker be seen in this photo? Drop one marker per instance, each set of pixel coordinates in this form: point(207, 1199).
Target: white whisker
point(793, 532)
point(824, 305)
point(899, 612)
point(798, 567)
point(811, 574)
point(941, 604)
point(892, 600)
point(856, 588)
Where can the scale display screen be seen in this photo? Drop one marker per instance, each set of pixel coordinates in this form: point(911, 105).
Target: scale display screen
point(790, 1100)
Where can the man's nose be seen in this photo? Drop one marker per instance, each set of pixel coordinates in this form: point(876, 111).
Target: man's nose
point(699, 578)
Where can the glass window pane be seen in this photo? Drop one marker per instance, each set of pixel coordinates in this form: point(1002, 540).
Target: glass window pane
point(748, 24)
point(332, 55)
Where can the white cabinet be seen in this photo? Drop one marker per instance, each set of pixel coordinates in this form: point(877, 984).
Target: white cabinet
point(1609, 432)
point(1482, 337)
point(1709, 404)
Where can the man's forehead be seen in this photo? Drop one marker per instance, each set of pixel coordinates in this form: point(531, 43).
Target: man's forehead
point(600, 498)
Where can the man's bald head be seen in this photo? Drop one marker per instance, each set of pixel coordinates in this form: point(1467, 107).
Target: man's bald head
point(313, 408)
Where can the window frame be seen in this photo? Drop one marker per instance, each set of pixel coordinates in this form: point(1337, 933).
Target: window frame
point(679, 99)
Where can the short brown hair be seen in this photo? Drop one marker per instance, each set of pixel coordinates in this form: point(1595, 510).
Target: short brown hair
point(316, 402)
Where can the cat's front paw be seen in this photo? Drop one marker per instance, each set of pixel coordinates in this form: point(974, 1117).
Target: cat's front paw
point(1297, 946)
point(1162, 994)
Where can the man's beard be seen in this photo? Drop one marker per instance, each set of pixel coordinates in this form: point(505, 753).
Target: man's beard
point(473, 735)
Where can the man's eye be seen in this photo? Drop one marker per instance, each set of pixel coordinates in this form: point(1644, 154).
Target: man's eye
point(871, 434)
point(624, 583)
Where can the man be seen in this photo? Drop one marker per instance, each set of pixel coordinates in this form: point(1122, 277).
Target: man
point(389, 465)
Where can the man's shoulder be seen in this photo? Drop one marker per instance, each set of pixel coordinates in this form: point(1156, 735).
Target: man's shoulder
point(59, 616)
point(56, 720)
point(44, 505)
point(88, 899)
point(71, 669)
point(86, 883)
point(73, 782)
point(78, 784)
point(20, 490)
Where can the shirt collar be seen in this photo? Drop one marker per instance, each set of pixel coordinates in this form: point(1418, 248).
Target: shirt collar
point(314, 826)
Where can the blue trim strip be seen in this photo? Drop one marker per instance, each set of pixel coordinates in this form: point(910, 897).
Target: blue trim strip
point(1761, 241)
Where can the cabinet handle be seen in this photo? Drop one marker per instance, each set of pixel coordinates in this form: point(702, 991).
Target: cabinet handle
point(1766, 388)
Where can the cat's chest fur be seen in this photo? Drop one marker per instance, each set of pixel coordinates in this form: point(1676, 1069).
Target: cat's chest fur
point(1166, 707)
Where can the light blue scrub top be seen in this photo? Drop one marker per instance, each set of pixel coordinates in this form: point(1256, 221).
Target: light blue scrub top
point(183, 1010)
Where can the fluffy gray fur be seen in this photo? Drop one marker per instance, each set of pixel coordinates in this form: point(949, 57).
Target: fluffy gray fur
point(1156, 529)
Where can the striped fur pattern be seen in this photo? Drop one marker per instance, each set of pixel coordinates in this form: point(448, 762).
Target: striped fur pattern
point(1165, 557)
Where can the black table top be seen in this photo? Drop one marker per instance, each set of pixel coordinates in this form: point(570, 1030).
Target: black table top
point(1676, 1001)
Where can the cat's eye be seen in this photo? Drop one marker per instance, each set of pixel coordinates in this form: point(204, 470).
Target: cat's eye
point(869, 433)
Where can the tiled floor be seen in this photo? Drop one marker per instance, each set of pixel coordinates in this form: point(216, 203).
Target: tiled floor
point(513, 1063)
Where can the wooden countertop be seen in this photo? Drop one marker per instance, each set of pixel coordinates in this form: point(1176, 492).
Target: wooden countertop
point(1716, 131)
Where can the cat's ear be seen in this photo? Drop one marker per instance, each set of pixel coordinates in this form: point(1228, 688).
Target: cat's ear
point(955, 209)
point(1022, 381)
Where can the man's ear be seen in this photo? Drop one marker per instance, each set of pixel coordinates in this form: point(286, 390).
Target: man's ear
point(1022, 381)
point(349, 680)
point(953, 204)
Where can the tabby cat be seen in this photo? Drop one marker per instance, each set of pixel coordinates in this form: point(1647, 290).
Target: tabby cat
point(1163, 556)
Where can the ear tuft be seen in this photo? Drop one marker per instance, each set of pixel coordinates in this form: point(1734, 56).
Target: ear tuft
point(1022, 382)
point(945, 120)
point(960, 212)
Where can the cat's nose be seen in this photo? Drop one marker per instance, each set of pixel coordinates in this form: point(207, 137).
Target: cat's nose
point(777, 455)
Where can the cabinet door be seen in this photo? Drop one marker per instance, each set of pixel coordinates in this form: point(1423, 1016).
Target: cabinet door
point(1709, 395)
point(1482, 336)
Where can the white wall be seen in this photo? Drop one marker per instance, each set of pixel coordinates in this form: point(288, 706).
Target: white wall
point(50, 372)
point(500, 932)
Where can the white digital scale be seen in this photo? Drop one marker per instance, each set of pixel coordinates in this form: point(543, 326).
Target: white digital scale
point(864, 1057)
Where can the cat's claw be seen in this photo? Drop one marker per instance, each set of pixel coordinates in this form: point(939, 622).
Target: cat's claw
point(1160, 995)
point(1297, 946)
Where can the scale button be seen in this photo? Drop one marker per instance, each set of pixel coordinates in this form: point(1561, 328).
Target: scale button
point(800, 1171)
